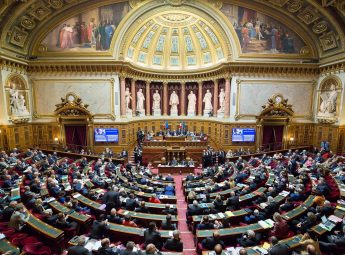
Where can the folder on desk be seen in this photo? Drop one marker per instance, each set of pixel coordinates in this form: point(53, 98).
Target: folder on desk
point(229, 214)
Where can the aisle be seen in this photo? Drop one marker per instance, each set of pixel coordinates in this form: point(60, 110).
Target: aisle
point(187, 236)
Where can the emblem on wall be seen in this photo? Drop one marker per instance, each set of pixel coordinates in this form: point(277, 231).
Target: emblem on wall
point(277, 106)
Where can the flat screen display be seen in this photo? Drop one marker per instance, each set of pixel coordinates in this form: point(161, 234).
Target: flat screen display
point(243, 135)
point(107, 135)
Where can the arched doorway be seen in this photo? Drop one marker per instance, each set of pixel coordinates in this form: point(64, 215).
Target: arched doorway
point(74, 120)
point(273, 123)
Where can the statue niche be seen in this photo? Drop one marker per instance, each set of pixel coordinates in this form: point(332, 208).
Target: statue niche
point(328, 102)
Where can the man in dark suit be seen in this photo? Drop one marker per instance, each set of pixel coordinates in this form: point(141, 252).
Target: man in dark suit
point(79, 249)
point(210, 242)
point(106, 248)
point(169, 210)
point(9, 210)
point(129, 249)
point(99, 228)
point(174, 243)
point(248, 240)
point(112, 199)
point(131, 203)
point(113, 217)
point(142, 208)
point(152, 236)
point(233, 202)
point(194, 209)
point(277, 248)
point(167, 224)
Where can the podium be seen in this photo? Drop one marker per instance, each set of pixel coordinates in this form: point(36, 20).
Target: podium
point(177, 152)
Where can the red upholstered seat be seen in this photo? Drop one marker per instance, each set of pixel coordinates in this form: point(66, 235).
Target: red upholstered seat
point(36, 249)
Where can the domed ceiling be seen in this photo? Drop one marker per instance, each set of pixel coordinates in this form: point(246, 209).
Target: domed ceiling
point(176, 40)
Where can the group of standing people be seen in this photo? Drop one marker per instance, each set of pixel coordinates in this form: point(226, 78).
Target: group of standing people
point(86, 34)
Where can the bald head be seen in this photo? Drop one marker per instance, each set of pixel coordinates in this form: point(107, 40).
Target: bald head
point(243, 252)
point(311, 249)
point(218, 249)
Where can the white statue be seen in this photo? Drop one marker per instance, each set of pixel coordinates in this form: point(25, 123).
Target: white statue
point(221, 100)
point(208, 101)
point(21, 106)
point(128, 98)
point(156, 101)
point(140, 100)
point(328, 105)
point(191, 103)
point(14, 97)
point(174, 101)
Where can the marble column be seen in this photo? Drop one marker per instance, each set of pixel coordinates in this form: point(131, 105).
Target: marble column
point(122, 98)
point(165, 98)
point(183, 99)
point(227, 98)
point(134, 96)
point(215, 97)
point(148, 98)
point(200, 113)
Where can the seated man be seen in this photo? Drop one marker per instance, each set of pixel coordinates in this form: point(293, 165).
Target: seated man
point(210, 242)
point(167, 224)
point(113, 217)
point(79, 249)
point(106, 248)
point(173, 162)
point(249, 239)
point(174, 243)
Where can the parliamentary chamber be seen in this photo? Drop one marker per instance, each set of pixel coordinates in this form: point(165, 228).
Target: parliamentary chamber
point(70, 67)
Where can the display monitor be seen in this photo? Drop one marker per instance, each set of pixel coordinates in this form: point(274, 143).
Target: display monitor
point(243, 135)
point(107, 135)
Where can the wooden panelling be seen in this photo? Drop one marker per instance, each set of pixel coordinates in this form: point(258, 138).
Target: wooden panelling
point(43, 134)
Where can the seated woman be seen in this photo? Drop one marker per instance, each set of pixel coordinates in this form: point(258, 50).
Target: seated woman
point(281, 228)
point(38, 207)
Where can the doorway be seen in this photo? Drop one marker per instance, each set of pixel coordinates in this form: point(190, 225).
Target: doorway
point(273, 137)
point(75, 136)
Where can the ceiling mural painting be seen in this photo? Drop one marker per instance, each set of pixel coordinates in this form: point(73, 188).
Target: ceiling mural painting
point(87, 32)
point(259, 33)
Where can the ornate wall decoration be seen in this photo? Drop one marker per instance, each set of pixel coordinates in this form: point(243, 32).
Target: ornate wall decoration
point(328, 41)
point(72, 105)
point(308, 15)
point(40, 11)
point(56, 4)
point(277, 104)
point(329, 100)
point(294, 5)
point(279, 3)
point(320, 27)
point(27, 22)
point(18, 37)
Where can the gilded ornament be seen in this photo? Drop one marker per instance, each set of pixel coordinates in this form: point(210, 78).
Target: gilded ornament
point(175, 17)
point(18, 37)
point(308, 15)
point(304, 51)
point(27, 23)
point(42, 48)
point(40, 12)
point(320, 27)
point(294, 5)
point(175, 2)
point(56, 4)
point(279, 3)
point(328, 41)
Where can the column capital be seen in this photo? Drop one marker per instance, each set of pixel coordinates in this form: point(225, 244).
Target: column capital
point(165, 83)
point(200, 82)
point(133, 81)
point(122, 77)
point(183, 83)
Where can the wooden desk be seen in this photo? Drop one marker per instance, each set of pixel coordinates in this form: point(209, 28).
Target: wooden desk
point(88, 202)
point(78, 217)
point(6, 246)
point(175, 138)
point(175, 169)
point(54, 234)
point(145, 218)
point(296, 212)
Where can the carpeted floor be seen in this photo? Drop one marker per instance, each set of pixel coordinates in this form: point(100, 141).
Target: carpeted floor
point(187, 236)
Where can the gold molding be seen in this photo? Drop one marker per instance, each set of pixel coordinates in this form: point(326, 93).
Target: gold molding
point(110, 115)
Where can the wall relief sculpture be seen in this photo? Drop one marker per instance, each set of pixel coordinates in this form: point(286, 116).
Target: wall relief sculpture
point(328, 100)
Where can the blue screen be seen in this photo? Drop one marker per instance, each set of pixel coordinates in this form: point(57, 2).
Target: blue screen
point(243, 134)
point(106, 135)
